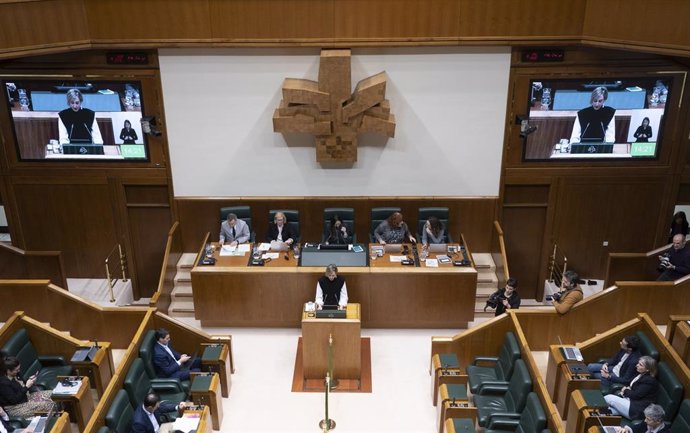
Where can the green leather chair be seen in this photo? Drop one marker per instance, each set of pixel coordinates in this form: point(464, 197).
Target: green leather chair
point(500, 400)
point(532, 419)
point(49, 367)
point(346, 216)
point(120, 414)
point(378, 215)
point(137, 384)
point(424, 213)
point(244, 213)
point(647, 347)
point(681, 424)
point(670, 391)
point(502, 366)
point(146, 355)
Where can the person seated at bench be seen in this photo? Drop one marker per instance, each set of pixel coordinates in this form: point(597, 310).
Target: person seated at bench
point(147, 417)
point(393, 231)
point(170, 363)
point(621, 367)
point(16, 396)
point(653, 422)
point(631, 401)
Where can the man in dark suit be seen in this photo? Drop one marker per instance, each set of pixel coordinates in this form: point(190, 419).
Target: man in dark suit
point(170, 363)
point(621, 367)
point(279, 230)
point(653, 422)
point(147, 417)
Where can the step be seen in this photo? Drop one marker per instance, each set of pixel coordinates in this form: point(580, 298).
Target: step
point(182, 292)
point(483, 261)
point(181, 309)
point(485, 290)
point(186, 261)
point(487, 278)
point(183, 276)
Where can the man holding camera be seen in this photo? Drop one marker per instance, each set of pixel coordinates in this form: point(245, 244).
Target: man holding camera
point(504, 299)
point(675, 263)
point(564, 301)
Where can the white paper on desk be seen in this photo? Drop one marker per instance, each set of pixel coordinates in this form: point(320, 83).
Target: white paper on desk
point(397, 259)
point(271, 256)
point(186, 424)
point(67, 389)
point(431, 263)
point(238, 250)
point(263, 246)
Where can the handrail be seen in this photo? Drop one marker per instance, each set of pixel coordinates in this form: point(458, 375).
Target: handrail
point(556, 270)
point(161, 298)
point(502, 248)
point(123, 266)
point(34, 264)
point(632, 266)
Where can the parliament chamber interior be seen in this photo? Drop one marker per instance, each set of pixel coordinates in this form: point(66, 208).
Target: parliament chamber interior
point(433, 151)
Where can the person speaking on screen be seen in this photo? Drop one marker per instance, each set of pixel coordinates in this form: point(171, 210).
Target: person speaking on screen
point(331, 289)
point(595, 123)
point(78, 124)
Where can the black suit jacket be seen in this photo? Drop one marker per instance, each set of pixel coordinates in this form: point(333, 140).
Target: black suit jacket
point(11, 392)
point(642, 393)
point(628, 369)
point(141, 422)
point(272, 232)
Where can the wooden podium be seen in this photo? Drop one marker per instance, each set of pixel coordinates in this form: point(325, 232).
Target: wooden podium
point(346, 333)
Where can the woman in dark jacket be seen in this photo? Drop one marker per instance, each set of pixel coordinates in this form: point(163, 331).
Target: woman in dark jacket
point(631, 401)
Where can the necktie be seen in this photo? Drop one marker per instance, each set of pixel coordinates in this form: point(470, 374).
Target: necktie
point(233, 234)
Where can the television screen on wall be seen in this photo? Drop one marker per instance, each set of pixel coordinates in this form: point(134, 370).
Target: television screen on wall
point(68, 120)
point(596, 118)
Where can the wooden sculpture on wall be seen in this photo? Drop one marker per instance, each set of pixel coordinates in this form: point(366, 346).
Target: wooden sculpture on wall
point(328, 110)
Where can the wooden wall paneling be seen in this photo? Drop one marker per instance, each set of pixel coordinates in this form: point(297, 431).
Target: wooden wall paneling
point(31, 26)
point(666, 23)
point(396, 19)
point(133, 21)
point(283, 20)
point(506, 19)
point(524, 228)
point(75, 218)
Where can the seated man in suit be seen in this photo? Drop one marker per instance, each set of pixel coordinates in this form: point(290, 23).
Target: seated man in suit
point(170, 363)
point(233, 231)
point(653, 422)
point(621, 367)
point(147, 417)
point(279, 230)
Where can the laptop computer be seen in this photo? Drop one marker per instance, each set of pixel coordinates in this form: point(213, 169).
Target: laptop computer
point(572, 353)
point(39, 423)
point(438, 248)
point(393, 248)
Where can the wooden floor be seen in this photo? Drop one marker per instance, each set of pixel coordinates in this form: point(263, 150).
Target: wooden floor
point(299, 384)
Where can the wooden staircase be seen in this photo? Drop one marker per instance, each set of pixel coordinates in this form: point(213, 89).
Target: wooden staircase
point(487, 283)
point(182, 301)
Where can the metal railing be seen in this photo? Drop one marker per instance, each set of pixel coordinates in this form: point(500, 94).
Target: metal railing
point(123, 267)
point(558, 264)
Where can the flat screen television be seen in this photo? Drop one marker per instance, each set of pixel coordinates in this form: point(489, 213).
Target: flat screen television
point(596, 118)
point(67, 120)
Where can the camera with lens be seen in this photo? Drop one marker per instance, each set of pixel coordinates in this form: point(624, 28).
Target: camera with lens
point(494, 300)
point(557, 296)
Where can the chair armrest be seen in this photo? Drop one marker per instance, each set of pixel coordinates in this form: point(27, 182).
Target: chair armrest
point(18, 423)
point(51, 360)
point(485, 359)
point(167, 385)
point(492, 388)
point(501, 421)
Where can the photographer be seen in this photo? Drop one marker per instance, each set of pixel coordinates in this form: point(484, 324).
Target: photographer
point(675, 263)
point(564, 301)
point(505, 299)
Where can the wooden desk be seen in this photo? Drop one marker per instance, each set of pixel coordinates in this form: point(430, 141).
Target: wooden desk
point(231, 293)
point(79, 405)
point(441, 375)
point(216, 359)
point(62, 424)
point(553, 369)
point(568, 384)
point(206, 391)
point(204, 416)
point(100, 370)
point(347, 336)
point(582, 418)
point(681, 341)
point(448, 409)
point(450, 427)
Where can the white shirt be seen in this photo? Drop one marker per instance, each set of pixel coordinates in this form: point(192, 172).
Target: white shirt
point(343, 295)
point(280, 233)
point(167, 349)
point(153, 419)
point(617, 368)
